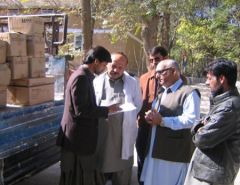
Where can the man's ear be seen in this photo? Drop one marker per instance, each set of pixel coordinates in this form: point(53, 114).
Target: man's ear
point(224, 82)
point(96, 61)
point(222, 79)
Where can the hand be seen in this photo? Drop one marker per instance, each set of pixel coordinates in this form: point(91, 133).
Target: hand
point(153, 117)
point(148, 116)
point(156, 117)
point(114, 108)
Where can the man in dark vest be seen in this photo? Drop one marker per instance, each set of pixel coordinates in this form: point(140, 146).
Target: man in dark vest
point(149, 88)
point(79, 126)
point(173, 113)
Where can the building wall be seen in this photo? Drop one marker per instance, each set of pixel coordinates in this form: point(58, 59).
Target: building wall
point(130, 47)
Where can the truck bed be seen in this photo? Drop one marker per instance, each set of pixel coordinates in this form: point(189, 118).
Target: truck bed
point(27, 140)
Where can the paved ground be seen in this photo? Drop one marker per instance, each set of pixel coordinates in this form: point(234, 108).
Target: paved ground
point(50, 176)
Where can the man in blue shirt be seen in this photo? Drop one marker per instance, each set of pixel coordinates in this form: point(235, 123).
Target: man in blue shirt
point(173, 113)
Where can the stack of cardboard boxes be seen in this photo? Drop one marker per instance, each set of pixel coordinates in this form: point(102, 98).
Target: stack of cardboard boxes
point(5, 74)
point(25, 57)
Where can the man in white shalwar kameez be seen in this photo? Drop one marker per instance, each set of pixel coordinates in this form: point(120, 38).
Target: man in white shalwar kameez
point(117, 134)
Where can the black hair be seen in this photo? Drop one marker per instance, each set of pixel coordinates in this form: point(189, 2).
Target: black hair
point(222, 66)
point(158, 50)
point(98, 52)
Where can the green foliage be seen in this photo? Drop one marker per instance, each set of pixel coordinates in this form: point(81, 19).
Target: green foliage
point(121, 16)
point(217, 34)
point(127, 16)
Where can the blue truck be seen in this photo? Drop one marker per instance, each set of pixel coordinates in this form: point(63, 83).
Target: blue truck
point(27, 140)
point(28, 133)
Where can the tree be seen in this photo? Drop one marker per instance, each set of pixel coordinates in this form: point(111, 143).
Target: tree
point(87, 29)
point(155, 19)
point(212, 32)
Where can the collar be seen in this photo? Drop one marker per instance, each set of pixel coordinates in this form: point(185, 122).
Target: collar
point(108, 78)
point(87, 71)
point(175, 86)
point(222, 97)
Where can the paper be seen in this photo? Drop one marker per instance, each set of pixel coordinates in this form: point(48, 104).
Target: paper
point(125, 108)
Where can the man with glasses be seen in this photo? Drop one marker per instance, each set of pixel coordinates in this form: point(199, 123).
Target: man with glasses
point(149, 88)
point(173, 113)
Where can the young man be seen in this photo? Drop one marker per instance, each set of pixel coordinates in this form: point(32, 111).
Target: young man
point(173, 113)
point(78, 132)
point(117, 134)
point(216, 159)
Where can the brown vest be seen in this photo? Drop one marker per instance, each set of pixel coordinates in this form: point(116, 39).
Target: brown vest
point(173, 145)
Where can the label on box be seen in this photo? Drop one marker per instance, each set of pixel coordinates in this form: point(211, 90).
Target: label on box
point(26, 25)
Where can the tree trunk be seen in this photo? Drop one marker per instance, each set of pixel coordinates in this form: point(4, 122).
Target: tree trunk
point(87, 32)
point(149, 33)
point(165, 30)
point(95, 8)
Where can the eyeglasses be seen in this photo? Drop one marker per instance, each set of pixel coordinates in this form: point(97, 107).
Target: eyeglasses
point(157, 59)
point(162, 72)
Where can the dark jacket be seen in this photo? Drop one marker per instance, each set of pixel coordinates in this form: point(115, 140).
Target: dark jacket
point(78, 131)
point(217, 156)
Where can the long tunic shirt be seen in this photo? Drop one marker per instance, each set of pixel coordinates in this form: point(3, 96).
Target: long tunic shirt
point(110, 131)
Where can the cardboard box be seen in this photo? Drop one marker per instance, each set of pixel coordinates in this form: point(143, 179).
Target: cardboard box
point(35, 46)
point(18, 66)
point(3, 51)
point(26, 25)
point(31, 82)
point(3, 96)
point(30, 95)
point(5, 74)
point(36, 67)
point(16, 44)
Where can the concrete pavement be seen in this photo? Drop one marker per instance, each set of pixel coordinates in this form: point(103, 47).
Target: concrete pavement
point(50, 176)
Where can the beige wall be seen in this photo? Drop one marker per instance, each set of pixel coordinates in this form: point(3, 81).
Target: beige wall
point(131, 47)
